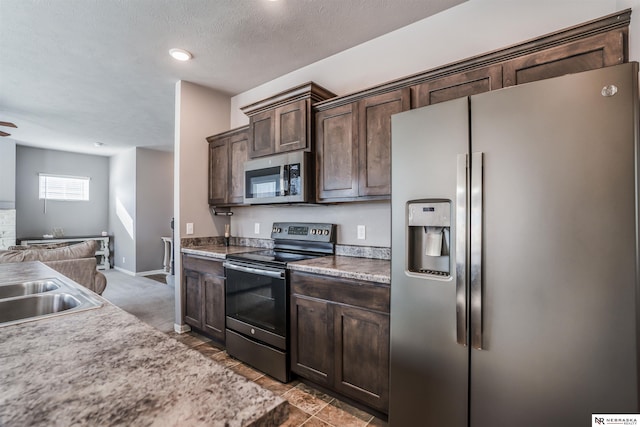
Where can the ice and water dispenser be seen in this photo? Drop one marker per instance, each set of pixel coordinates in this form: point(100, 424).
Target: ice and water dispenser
point(429, 223)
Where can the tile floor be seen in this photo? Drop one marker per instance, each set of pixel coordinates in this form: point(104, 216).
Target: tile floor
point(308, 407)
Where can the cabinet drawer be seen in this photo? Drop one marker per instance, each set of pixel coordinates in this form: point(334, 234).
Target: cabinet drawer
point(369, 295)
point(203, 265)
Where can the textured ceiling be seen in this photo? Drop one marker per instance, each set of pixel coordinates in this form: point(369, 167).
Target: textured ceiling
point(74, 72)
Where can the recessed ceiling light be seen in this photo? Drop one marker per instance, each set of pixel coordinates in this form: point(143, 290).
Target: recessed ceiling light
point(180, 54)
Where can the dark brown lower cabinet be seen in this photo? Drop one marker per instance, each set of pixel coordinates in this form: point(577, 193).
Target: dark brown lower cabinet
point(362, 355)
point(340, 336)
point(204, 282)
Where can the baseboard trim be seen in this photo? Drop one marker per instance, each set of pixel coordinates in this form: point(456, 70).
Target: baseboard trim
point(122, 270)
point(150, 272)
point(181, 329)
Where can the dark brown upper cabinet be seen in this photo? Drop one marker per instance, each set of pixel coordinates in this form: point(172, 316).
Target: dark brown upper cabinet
point(228, 152)
point(353, 132)
point(456, 86)
point(354, 147)
point(283, 122)
point(598, 51)
point(374, 140)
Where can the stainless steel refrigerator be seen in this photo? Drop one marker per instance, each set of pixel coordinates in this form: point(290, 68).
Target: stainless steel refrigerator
point(514, 292)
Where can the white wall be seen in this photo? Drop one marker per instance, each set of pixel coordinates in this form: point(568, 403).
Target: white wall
point(75, 218)
point(634, 28)
point(472, 28)
point(154, 207)
point(140, 208)
point(7, 173)
point(122, 209)
point(200, 112)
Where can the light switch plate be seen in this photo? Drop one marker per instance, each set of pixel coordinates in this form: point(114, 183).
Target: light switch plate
point(256, 228)
point(361, 232)
point(189, 228)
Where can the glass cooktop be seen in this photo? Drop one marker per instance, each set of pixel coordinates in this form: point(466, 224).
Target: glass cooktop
point(272, 256)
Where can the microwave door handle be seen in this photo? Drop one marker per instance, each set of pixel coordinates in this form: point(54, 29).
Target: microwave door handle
point(284, 180)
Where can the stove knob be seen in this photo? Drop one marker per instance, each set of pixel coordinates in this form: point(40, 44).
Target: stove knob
point(325, 232)
point(278, 230)
point(313, 231)
point(273, 230)
point(253, 331)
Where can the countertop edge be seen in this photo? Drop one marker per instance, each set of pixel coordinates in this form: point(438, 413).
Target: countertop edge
point(344, 274)
point(221, 252)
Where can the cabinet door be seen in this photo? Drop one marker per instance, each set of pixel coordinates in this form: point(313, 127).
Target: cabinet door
point(193, 304)
point(218, 171)
point(262, 134)
point(238, 155)
point(337, 153)
point(362, 355)
point(375, 140)
point(457, 86)
point(214, 315)
point(598, 51)
point(291, 126)
point(312, 339)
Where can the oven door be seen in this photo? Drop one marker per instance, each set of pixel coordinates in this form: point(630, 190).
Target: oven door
point(256, 302)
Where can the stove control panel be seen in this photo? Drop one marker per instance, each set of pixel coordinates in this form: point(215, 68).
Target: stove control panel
point(309, 231)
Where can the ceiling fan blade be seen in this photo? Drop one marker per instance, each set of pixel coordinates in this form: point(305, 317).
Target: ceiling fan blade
point(8, 124)
point(4, 133)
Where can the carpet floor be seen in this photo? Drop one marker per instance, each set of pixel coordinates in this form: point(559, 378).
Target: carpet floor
point(150, 301)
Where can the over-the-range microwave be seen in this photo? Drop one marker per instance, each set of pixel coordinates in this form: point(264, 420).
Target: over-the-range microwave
point(282, 178)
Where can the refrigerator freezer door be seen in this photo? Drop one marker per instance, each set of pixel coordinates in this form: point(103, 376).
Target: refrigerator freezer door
point(429, 369)
point(559, 251)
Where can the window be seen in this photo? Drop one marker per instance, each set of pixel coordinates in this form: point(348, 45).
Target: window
point(59, 187)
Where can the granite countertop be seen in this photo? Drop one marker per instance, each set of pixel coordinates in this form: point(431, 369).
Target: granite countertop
point(367, 269)
point(218, 251)
point(103, 367)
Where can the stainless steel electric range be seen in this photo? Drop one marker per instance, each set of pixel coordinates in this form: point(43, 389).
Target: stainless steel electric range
point(257, 294)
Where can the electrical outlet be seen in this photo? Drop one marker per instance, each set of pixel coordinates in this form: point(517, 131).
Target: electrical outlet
point(123, 260)
point(256, 228)
point(361, 232)
point(189, 228)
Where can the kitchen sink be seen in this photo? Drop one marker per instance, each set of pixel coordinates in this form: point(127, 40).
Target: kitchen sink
point(27, 288)
point(35, 305)
point(37, 299)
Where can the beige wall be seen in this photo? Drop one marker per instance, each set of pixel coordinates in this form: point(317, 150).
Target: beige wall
point(200, 112)
point(472, 28)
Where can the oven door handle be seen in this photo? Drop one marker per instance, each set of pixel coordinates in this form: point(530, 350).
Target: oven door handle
point(258, 271)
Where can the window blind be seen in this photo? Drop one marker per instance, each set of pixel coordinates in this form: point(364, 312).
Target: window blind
point(60, 187)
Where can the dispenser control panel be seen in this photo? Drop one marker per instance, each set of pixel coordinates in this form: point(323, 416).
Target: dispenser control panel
point(429, 237)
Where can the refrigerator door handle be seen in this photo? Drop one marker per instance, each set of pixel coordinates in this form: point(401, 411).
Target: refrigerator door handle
point(475, 274)
point(461, 249)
